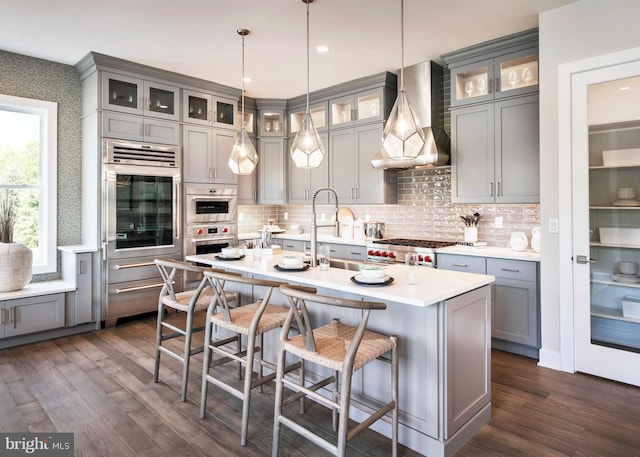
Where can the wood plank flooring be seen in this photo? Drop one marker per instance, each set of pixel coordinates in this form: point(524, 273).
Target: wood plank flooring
point(99, 386)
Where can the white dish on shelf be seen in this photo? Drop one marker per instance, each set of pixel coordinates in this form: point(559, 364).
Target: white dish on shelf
point(626, 203)
point(626, 279)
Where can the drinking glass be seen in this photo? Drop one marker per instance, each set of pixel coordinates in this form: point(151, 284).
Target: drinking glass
point(411, 268)
point(267, 126)
point(257, 249)
point(481, 85)
point(526, 75)
point(324, 257)
point(469, 88)
point(513, 78)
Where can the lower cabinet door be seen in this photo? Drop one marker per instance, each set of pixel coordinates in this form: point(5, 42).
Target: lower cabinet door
point(514, 311)
point(33, 314)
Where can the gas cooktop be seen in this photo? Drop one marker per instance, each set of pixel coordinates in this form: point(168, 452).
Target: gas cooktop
point(429, 244)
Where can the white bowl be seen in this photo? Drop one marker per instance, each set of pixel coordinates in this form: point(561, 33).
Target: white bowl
point(294, 227)
point(292, 261)
point(230, 252)
point(372, 271)
point(628, 268)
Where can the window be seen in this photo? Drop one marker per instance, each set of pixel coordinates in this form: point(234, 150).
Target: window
point(28, 151)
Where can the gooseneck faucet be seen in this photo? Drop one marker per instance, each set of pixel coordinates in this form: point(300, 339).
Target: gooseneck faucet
point(314, 225)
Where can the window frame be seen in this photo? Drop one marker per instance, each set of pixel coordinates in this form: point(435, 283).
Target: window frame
point(48, 208)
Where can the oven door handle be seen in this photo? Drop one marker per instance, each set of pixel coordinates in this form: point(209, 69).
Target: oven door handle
point(209, 240)
point(212, 198)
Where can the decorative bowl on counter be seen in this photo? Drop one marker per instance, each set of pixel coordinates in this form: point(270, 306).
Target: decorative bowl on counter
point(373, 271)
point(230, 252)
point(292, 261)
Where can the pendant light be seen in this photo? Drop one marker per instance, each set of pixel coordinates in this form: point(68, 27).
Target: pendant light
point(403, 137)
point(243, 159)
point(307, 150)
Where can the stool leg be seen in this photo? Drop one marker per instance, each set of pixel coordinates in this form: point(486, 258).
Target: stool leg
point(205, 365)
point(187, 353)
point(246, 400)
point(277, 412)
point(394, 396)
point(156, 369)
point(334, 411)
point(343, 423)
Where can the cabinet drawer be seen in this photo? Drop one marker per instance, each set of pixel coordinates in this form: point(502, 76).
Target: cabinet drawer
point(512, 269)
point(466, 263)
point(348, 252)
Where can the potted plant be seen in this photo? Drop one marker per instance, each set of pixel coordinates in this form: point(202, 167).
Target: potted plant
point(16, 259)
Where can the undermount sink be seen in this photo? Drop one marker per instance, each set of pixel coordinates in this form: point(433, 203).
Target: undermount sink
point(346, 264)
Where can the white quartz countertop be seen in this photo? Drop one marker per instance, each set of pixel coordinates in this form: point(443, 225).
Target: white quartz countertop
point(500, 253)
point(433, 285)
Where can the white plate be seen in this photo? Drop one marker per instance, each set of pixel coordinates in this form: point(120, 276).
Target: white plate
point(230, 257)
point(626, 280)
point(361, 278)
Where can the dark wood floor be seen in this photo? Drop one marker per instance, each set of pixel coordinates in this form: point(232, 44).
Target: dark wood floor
point(99, 386)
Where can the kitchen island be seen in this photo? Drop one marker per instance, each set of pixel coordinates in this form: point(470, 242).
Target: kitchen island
point(443, 326)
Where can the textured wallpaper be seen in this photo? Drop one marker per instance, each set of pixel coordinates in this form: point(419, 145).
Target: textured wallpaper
point(24, 76)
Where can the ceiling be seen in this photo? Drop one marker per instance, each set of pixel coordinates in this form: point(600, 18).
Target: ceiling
point(199, 38)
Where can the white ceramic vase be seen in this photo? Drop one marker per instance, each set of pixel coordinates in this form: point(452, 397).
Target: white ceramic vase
point(535, 239)
point(16, 262)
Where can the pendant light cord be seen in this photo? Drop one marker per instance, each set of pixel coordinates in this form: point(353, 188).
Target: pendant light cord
point(308, 70)
point(242, 120)
point(402, 44)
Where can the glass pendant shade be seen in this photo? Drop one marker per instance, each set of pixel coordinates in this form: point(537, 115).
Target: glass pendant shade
point(403, 137)
point(243, 158)
point(307, 150)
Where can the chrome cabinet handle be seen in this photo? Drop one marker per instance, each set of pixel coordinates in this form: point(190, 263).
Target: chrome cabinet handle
point(512, 270)
point(463, 265)
point(133, 289)
point(491, 189)
point(584, 259)
point(489, 85)
point(134, 265)
point(497, 85)
point(498, 189)
point(12, 316)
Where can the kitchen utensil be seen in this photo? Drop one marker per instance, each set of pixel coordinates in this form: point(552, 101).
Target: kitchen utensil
point(374, 230)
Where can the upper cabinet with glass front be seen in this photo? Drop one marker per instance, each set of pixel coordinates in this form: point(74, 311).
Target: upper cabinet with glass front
point(271, 121)
point(501, 68)
point(132, 95)
point(208, 109)
point(355, 109)
point(318, 115)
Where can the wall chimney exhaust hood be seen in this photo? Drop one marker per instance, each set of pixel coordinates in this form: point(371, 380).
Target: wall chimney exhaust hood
point(423, 83)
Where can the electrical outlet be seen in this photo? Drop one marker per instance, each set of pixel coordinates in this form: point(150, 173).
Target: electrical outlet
point(286, 216)
point(553, 225)
point(497, 222)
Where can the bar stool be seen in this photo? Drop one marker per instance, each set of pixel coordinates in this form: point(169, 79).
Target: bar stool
point(190, 301)
point(341, 348)
point(251, 320)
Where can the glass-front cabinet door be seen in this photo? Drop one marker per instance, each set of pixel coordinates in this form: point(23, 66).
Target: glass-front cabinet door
point(487, 80)
point(318, 115)
point(356, 109)
point(606, 157)
point(132, 95)
point(271, 122)
point(197, 108)
point(225, 112)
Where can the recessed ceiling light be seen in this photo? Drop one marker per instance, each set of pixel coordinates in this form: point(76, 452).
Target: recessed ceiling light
point(625, 88)
point(322, 49)
point(247, 79)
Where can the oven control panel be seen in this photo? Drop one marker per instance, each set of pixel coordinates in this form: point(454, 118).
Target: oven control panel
point(211, 231)
point(380, 254)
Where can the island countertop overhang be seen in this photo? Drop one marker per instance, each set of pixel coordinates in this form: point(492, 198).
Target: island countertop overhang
point(433, 287)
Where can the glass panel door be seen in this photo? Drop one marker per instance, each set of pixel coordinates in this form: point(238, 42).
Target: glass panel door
point(518, 73)
point(606, 157)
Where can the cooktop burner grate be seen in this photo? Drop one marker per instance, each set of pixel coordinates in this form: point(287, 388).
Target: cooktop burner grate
point(415, 243)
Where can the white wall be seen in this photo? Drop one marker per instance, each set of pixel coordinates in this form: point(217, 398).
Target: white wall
point(577, 31)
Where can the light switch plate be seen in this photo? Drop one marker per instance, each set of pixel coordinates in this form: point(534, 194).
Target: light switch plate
point(553, 225)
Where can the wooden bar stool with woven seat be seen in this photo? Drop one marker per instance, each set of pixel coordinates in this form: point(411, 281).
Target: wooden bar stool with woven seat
point(344, 349)
point(251, 320)
point(190, 302)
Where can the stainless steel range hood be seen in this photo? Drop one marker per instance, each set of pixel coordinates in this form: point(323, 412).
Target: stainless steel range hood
point(423, 83)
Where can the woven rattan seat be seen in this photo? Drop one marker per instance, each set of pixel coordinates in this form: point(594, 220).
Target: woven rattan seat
point(251, 320)
point(189, 302)
point(342, 348)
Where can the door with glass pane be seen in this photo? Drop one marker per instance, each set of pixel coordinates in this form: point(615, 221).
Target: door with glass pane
point(606, 230)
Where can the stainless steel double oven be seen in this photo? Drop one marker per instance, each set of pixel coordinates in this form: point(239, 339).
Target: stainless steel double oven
point(141, 221)
point(210, 221)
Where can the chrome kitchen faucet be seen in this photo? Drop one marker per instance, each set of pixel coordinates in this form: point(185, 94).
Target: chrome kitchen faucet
point(314, 225)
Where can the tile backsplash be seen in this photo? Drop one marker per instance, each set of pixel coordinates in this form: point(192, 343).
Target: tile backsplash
point(424, 211)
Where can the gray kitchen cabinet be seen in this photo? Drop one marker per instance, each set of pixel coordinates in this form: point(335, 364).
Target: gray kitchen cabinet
point(303, 182)
point(31, 314)
point(248, 185)
point(204, 108)
point(206, 151)
point(495, 152)
point(271, 171)
point(140, 128)
point(293, 245)
point(77, 270)
point(136, 95)
point(347, 251)
point(319, 115)
point(515, 310)
point(351, 173)
point(500, 68)
point(349, 110)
